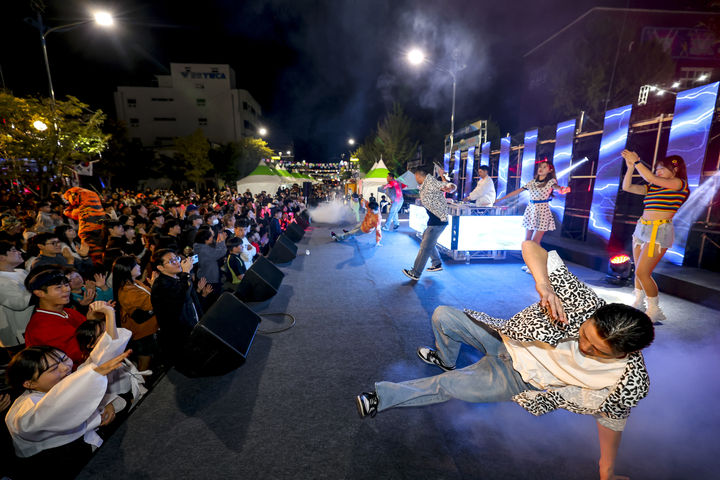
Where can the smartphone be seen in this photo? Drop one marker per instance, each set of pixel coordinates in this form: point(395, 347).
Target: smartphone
point(194, 259)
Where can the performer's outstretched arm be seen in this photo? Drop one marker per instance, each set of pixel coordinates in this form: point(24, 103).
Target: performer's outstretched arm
point(536, 259)
point(511, 194)
point(609, 445)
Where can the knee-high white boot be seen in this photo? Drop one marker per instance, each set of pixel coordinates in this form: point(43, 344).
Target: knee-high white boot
point(653, 310)
point(639, 302)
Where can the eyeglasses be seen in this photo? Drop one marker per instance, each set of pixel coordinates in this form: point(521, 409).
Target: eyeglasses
point(52, 242)
point(176, 260)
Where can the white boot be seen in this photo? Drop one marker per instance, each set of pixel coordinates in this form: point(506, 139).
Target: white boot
point(653, 310)
point(639, 302)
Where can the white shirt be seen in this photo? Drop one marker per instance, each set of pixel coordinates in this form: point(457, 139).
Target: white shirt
point(72, 409)
point(247, 255)
point(15, 311)
point(484, 193)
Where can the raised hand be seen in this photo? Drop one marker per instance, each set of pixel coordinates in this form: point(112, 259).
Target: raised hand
point(201, 284)
point(83, 249)
point(207, 290)
point(630, 158)
point(112, 364)
point(88, 295)
point(100, 280)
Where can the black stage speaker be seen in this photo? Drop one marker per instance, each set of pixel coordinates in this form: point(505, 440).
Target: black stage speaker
point(294, 232)
point(303, 219)
point(306, 189)
point(221, 340)
point(284, 251)
point(261, 282)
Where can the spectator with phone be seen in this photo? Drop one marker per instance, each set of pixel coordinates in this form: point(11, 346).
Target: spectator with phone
point(209, 254)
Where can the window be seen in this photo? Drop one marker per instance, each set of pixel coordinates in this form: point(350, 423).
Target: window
point(252, 110)
point(691, 77)
point(134, 122)
point(164, 119)
point(200, 102)
point(163, 140)
point(131, 103)
point(157, 99)
point(245, 106)
point(202, 122)
point(247, 125)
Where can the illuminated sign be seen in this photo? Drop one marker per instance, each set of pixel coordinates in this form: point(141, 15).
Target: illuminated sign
point(527, 170)
point(203, 75)
point(688, 138)
point(446, 162)
point(562, 157)
point(485, 154)
point(607, 179)
point(475, 232)
point(469, 166)
point(456, 168)
point(503, 166)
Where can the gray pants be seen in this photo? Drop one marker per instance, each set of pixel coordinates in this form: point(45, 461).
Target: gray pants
point(428, 248)
point(491, 379)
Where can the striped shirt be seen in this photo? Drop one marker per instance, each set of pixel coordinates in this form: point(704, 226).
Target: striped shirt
point(665, 199)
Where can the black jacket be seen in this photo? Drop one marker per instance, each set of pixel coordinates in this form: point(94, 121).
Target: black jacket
point(178, 310)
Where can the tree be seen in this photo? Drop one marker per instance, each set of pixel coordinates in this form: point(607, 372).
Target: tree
point(69, 136)
point(193, 150)
point(597, 81)
point(236, 160)
point(392, 142)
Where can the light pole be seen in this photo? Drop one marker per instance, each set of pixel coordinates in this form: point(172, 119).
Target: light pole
point(417, 57)
point(104, 19)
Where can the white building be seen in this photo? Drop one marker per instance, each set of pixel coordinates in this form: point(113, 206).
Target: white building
point(193, 96)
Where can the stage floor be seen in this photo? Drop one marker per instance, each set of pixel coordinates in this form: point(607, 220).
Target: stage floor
point(289, 412)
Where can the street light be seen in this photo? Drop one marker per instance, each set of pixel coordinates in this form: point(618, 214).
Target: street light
point(262, 131)
point(39, 125)
point(102, 18)
point(416, 57)
point(351, 142)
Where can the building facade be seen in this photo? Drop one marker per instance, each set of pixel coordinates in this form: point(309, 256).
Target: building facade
point(193, 96)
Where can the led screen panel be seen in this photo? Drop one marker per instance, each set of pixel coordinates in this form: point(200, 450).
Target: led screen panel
point(485, 154)
point(456, 168)
point(446, 162)
point(469, 170)
point(503, 166)
point(688, 138)
point(607, 179)
point(562, 156)
point(489, 232)
point(528, 158)
point(418, 221)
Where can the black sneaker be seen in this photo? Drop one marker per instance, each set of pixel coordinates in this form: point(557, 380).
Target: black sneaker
point(435, 268)
point(410, 275)
point(395, 227)
point(345, 231)
point(334, 236)
point(367, 403)
point(428, 355)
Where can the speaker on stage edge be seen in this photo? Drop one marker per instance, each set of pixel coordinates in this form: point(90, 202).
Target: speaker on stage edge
point(283, 251)
point(294, 232)
point(260, 282)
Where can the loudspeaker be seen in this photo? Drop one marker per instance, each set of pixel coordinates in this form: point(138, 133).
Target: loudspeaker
point(303, 219)
point(221, 340)
point(306, 189)
point(284, 250)
point(294, 232)
point(260, 282)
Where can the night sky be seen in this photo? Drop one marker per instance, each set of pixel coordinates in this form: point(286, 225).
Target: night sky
point(323, 71)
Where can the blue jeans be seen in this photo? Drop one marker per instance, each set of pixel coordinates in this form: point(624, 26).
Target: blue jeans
point(428, 248)
point(392, 218)
point(491, 379)
point(354, 232)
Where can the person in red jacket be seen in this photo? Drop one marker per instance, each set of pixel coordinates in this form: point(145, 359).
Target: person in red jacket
point(51, 323)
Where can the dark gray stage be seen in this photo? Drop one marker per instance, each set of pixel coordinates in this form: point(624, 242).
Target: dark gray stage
point(289, 412)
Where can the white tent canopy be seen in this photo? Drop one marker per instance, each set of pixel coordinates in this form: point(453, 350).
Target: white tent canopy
point(374, 180)
point(262, 178)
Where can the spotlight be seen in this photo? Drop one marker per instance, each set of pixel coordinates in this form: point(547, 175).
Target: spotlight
point(620, 270)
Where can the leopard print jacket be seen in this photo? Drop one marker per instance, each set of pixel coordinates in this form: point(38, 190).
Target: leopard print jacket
point(533, 323)
point(433, 198)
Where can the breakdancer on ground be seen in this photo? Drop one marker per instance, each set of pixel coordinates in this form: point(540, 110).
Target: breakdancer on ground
point(569, 351)
point(372, 221)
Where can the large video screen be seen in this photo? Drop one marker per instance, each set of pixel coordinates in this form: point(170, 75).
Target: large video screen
point(527, 169)
point(562, 157)
point(469, 170)
point(446, 163)
point(503, 166)
point(607, 179)
point(456, 169)
point(688, 138)
point(418, 221)
point(485, 154)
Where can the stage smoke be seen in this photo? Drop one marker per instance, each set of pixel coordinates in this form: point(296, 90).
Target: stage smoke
point(332, 213)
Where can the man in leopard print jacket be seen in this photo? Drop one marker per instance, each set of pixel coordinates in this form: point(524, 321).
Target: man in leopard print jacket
point(569, 351)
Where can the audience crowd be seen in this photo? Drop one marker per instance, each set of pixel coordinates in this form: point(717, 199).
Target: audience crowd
point(87, 315)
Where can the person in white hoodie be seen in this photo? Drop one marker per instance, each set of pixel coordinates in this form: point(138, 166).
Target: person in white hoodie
point(15, 308)
point(54, 422)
